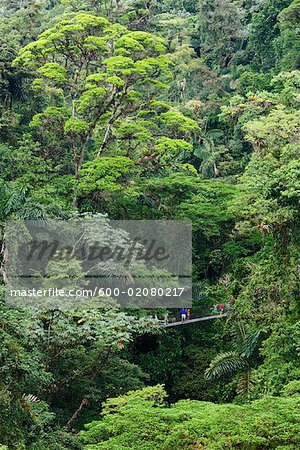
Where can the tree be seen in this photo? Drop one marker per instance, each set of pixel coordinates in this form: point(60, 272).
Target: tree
point(241, 360)
point(288, 44)
point(219, 19)
point(96, 75)
point(279, 372)
point(109, 183)
point(52, 359)
point(90, 70)
point(263, 33)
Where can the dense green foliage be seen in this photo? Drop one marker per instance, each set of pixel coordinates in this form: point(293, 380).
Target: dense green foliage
point(157, 110)
point(141, 417)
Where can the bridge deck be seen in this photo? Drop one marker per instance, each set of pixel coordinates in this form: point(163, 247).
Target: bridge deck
point(198, 319)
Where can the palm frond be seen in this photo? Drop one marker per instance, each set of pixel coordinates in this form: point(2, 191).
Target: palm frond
point(252, 341)
point(251, 344)
point(225, 364)
point(240, 334)
point(29, 399)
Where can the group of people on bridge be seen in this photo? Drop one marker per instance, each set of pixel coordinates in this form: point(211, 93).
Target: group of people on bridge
point(218, 309)
point(185, 313)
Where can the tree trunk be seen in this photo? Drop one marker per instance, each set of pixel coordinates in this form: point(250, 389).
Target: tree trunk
point(83, 403)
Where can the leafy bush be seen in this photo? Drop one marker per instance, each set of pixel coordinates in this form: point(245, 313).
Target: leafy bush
point(140, 420)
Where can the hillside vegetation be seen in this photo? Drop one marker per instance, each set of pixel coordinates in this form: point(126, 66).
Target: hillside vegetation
point(157, 109)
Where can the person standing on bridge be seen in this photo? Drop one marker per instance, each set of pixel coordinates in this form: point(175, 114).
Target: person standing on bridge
point(183, 314)
point(221, 308)
point(188, 314)
point(166, 318)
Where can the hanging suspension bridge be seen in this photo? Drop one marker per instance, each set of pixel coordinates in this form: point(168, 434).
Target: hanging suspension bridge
point(194, 320)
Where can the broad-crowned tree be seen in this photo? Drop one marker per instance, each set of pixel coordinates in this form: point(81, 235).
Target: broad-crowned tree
point(89, 68)
point(99, 76)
